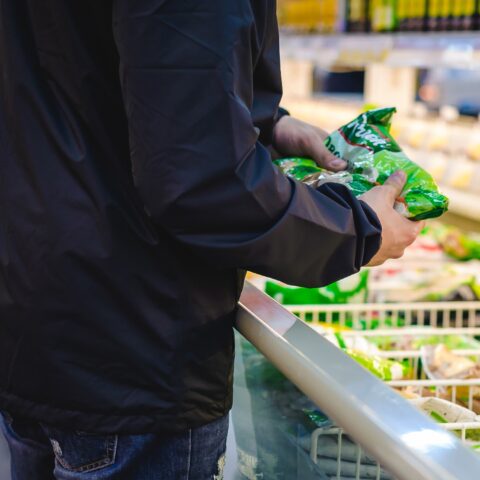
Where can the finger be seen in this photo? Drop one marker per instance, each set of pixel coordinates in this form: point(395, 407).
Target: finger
point(395, 184)
point(398, 254)
point(421, 225)
point(326, 159)
point(418, 228)
point(336, 164)
point(410, 227)
point(415, 227)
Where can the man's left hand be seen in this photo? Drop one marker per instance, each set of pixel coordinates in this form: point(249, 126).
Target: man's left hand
point(293, 137)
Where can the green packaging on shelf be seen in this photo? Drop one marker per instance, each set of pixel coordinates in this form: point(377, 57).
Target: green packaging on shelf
point(372, 155)
point(353, 289)
point(455, 243)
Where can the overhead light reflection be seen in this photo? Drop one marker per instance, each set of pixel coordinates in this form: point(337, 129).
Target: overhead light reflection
point(425, 440)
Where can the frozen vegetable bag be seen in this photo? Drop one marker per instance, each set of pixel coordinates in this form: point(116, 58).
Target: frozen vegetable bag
point(373, 155)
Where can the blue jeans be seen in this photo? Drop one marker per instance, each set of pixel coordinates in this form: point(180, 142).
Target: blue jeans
point(42, 452)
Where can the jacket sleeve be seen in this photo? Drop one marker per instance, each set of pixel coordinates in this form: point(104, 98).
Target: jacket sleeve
point(267, 82)
point(186, 73)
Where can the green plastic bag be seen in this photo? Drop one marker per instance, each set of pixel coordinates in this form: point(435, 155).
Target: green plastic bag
point(372, 155)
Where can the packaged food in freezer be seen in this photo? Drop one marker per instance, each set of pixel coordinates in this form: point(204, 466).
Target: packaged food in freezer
point(439, 362)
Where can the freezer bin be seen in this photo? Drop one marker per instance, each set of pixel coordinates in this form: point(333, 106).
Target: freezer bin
point(368, 415)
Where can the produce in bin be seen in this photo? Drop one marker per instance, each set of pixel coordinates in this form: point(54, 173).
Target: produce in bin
point(372, 155)
point(382, 368)
point(439, 363)
point(338, 335)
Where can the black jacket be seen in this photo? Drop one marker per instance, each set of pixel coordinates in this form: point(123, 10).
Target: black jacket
point(136, 185)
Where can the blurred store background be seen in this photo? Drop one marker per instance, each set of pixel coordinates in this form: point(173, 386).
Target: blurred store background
point(422, 57)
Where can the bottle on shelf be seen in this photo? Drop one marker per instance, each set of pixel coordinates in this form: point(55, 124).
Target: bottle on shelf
point(469, 14)
point(299, 14)
point(433, 15)
point(419, 13)
point(326, 10)
point(445, 14)
point(475, 22)
point(458, 7)
point(402, 15)
point(383, 15)
point(341, 15)
point(357, 15)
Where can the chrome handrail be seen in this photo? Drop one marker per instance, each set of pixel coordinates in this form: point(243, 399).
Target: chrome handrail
point(404, 440)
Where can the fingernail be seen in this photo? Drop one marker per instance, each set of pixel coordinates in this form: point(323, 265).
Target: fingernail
point(338, 163)
point(400, 174)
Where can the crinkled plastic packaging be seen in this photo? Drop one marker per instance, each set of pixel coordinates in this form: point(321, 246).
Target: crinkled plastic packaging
point(372, 155)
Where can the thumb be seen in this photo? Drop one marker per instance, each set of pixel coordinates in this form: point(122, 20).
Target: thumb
point(395, 184)
point(326, 159)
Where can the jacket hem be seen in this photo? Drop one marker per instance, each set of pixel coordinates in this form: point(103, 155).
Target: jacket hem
point(154, 422)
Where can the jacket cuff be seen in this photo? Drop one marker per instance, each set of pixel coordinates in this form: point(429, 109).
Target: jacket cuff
point(373, 241)
point(281, 112)
point(368, 228)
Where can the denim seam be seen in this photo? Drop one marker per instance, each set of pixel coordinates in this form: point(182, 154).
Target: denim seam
point(109, 459)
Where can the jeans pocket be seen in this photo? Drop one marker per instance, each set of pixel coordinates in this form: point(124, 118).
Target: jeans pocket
point(82, 452)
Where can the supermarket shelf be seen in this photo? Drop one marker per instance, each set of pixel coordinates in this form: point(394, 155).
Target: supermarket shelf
point(403, 440)
point(451, 49)
point(464, 204)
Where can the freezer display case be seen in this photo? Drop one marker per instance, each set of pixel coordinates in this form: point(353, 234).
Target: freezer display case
point(305, 408)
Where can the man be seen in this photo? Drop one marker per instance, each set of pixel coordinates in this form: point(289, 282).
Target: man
point(137, 186)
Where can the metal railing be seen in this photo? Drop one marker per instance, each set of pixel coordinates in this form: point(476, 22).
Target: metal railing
point(451, 315)
point(401, 438)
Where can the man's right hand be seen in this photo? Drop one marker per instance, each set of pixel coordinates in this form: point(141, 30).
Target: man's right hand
point(397, 232)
